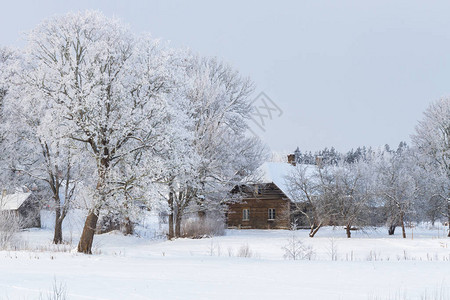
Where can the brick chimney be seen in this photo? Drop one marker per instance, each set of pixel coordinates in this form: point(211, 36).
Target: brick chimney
point(319, 161)
point(291, 159)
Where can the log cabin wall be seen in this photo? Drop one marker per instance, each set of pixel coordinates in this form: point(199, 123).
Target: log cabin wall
point(259, 199)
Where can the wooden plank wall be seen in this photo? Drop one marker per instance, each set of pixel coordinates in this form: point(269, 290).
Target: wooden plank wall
point(259, 198)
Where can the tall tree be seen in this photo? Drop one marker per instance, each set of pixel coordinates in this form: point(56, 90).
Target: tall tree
point(6, 55)
point(397, 187)
point(352, 189)
point(109, 87)
point(432, 138)
point(6, 58)
point(220, 109)
point(9, 103)
point(304, 185)
point(37, 150)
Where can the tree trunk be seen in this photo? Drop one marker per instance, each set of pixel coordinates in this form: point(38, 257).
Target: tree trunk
point(402, 221)
point(87, 237)
point(57, 237)
point(171, 233)
point(448, 235)
point(314, 230)
point(347, 230)
point(178, 225)
point(391, 229)
point(201, 215)
point(448, 214)
point(179, 214)
point(127, 226)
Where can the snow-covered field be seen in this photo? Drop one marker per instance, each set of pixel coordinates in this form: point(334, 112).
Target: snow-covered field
point(370, 265)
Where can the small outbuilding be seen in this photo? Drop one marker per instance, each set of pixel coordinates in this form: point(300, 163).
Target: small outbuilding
point(24, 205)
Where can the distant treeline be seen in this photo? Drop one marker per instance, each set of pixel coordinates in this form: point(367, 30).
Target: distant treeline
point(330, 156)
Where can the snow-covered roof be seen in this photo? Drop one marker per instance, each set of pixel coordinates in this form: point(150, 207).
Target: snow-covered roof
point(13, 201)
point(276, 172)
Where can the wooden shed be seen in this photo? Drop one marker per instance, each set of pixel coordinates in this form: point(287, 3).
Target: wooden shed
point(24, 205)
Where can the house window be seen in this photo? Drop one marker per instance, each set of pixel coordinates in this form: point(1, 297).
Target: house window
point(271, 213)
point(245, 214)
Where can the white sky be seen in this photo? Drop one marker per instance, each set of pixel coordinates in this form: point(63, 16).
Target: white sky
point(345, 73)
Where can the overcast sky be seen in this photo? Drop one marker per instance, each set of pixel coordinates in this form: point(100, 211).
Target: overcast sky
point(343, 73)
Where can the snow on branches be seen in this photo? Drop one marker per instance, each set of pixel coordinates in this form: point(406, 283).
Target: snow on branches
point(132, 120)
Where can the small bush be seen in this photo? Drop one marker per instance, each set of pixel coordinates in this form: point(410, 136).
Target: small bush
point(333, 250)
point(214, 248)
point(9, 227)
point(295, 249)
point(436, 294)
point(205, 227)
point(245, 251)
point(441, 293)
point(58, 292)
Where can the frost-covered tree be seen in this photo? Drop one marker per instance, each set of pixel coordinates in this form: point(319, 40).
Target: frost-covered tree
point(35, 143)
point(432, 139)
point(221, 155)
point(10, 179)
point(7, 58)
point(108, 87)
point(129, 120)
point(295, 249)
point(5, 61)
point(331, 194)
point(431, 184)
point(397, 188)
point(38, 151)
point(353, 189)
point(305, 188)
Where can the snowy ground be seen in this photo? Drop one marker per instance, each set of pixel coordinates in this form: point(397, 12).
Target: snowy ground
point(370, 265)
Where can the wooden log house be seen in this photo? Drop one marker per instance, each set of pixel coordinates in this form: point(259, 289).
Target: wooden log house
point(264, 205)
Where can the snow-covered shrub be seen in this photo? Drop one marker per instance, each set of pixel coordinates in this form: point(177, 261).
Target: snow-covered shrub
point(373, 256)
point(295, 249)
point(203, 227)
point(441, 293)
point(214, 248)
point(333, 249)
point(151, 225)
point(9, 227)
point(58, 292)
point(109, 222)
point(245, 251)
